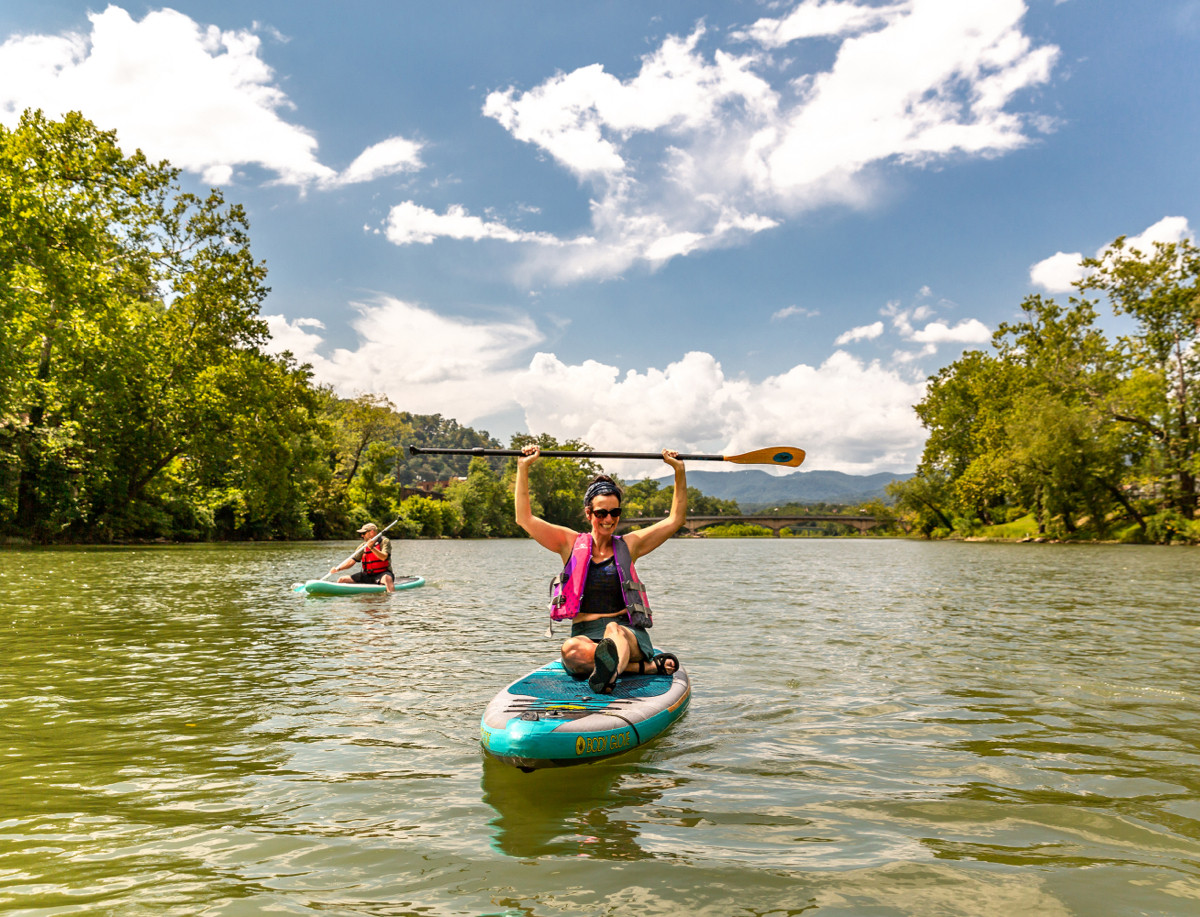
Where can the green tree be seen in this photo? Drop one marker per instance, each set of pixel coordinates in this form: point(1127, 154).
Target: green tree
point(129, 339)
point(484, 504)
point(361, 423)
point(425, 514)
point(923, 502)
point(1160, 291)
point(643, 498)
point(964, 409)
point(374, 493)
point(1066, 467)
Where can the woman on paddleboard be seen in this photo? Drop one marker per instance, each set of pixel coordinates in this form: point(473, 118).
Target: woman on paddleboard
point(599, 591)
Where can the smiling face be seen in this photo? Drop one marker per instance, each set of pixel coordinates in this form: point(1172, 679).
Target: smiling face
point(608, 525)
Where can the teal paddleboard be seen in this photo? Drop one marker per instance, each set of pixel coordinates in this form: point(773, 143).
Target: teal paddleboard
point(324, 587)
point(549, 719)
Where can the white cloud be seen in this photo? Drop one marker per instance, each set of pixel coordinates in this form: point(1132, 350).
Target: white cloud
point(385, 158)
point(846, 414)
point(861, 333)
point(818, 19)
point(425, 362)
point(1060, 272)
point(849, 415)
point(410, 223)
point(699, 150)
point(933, 335)
point(789, 311)
point(196, 95)
point(1168, 229)
point(967, 331)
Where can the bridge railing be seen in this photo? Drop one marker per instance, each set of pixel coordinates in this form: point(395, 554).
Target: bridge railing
point(776, 524)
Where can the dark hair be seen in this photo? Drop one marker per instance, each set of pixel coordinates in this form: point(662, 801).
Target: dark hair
point(599, 486)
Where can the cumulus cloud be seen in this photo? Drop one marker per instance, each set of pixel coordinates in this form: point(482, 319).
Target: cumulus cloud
point(704, 148)
point(197, 95)
point(427, 362)
point(932, 334)
point(1060, 272)
point(861, 333)
point(967, 331)
point(1168, 229)
point(850, 415)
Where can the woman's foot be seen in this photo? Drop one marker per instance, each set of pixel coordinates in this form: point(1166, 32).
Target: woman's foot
point(607, 665)
point(659, 664)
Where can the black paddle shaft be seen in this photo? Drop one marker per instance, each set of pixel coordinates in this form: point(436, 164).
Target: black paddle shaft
point(550, 453)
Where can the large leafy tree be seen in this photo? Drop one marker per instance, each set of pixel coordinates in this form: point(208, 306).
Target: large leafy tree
point(129, 341)
point(964, 409)
point(1068, 456)
point(1062, 422)
point(1160, 291)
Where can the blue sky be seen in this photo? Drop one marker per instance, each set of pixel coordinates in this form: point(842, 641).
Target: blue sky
point(713, 226)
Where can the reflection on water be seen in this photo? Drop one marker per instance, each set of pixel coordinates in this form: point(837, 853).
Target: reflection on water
point(877, 727)
point(578, 811)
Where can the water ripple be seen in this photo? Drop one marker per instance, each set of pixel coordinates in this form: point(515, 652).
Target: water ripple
point(877, 727)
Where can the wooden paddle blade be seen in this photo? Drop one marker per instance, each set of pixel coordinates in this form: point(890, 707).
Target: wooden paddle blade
point(773, 455)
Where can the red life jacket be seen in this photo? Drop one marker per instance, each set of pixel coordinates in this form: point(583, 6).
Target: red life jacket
point(566, 589)
point(372, 564)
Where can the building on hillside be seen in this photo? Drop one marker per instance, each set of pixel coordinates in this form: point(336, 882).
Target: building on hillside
point(431, 489)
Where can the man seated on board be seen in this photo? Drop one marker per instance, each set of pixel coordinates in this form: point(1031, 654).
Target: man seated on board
point(375, 555)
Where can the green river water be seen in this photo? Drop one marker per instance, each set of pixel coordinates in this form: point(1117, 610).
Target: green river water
point(878, 727)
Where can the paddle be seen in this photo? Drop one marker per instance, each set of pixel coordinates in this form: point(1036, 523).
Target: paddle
point(299, 587)
point(773, 455)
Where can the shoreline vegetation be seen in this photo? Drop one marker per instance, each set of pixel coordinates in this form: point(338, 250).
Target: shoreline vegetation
point(139, 403)
point(1065, 433)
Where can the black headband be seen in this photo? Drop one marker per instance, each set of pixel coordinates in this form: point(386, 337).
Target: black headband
point(599, 489)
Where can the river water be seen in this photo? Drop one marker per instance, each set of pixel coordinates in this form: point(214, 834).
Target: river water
point(878, 727)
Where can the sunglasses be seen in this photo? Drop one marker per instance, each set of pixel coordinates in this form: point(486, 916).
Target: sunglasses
point(605, 513)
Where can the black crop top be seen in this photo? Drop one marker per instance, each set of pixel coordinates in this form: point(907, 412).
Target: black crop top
point(602, 592)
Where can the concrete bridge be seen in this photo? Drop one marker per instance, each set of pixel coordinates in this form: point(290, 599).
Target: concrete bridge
point(776, 524)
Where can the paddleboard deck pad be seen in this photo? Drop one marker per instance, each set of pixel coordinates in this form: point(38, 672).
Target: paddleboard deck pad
point(549, 719)
point(323, 587)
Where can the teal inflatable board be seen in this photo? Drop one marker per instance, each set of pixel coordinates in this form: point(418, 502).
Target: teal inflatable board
point(549, 719)
point(323, 587)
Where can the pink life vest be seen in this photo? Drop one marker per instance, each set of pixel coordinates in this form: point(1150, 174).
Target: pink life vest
point(566, 589)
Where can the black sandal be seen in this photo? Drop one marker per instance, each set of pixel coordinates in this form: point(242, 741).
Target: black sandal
point(604, 675)
point(659, 661)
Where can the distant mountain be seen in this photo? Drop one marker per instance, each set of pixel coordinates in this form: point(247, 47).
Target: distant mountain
point(754, 489)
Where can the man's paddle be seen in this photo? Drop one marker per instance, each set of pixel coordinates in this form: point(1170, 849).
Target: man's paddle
point(773, 455)
point(299, 587)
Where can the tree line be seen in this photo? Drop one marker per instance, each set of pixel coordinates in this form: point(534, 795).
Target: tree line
point(1062, 432)
point(138, 399)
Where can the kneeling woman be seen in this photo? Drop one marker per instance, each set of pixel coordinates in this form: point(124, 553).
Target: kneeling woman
point(600, 592)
